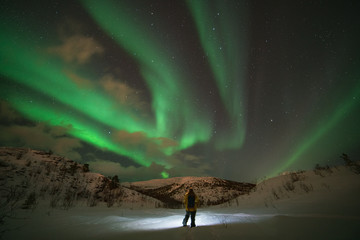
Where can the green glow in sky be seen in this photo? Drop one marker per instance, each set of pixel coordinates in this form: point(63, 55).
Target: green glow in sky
point(348, 105)
point(165, 174)
point(79, 127)
point(225, 44)
point(35, 70)
point(173, 100)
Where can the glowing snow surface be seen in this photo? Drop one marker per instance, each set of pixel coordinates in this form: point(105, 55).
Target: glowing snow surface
point(138, 220)
point(222, 223)
point(163, 219)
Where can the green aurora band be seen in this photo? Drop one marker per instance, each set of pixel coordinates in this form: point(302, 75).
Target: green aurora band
point(34, 70)
point(170, 87)
point(225, 44)
point(349, 104)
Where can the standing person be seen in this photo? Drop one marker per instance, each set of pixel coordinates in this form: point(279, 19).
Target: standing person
point(190, 201)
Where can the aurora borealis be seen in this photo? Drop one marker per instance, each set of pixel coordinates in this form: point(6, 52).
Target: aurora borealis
point(149, 89)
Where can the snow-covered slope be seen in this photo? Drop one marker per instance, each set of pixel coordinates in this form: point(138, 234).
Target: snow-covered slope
point(28, 177)
point(322, 190)
point(210, 190)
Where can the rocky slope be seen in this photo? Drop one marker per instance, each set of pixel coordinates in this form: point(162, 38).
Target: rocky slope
point(210, 190)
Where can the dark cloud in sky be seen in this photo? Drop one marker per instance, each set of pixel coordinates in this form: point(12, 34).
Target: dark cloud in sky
point(23, 133)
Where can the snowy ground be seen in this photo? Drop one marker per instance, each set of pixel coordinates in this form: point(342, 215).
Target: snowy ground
point(322, 204)
point(222, 223)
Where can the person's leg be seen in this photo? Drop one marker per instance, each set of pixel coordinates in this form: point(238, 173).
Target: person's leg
point(186, 218)
point(193, 218)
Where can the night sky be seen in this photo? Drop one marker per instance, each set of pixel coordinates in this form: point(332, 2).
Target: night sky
point(240, 90)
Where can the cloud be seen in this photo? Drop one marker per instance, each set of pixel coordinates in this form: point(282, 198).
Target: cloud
point(124, 94)
point(187, 165)
point(167, 142)
point(41, 137)
point(17, 132)
point(176, 164)
point(9, 115)
point(77, 48)
point(152, 148)
point(79, 81)
point(129, 173)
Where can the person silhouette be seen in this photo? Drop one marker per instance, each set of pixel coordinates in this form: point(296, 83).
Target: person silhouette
point(191, 202)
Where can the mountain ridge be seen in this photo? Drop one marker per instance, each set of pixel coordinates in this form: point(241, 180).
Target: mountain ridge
point(210, 190)
point(35, 176)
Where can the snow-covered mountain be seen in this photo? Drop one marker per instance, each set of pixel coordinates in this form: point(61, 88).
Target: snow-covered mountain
point(28, 177)
point(210, 190)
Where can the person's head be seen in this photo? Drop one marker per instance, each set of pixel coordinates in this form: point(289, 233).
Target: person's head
point(191, 191)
